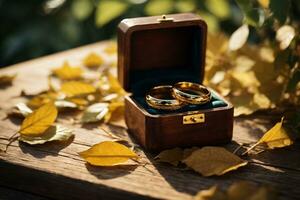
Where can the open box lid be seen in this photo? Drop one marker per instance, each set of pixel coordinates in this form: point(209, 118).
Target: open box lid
point(161, 50)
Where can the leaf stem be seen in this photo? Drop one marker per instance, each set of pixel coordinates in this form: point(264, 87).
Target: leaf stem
point(11, 140)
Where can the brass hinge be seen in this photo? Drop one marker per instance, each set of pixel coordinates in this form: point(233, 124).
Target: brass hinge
point(194, 119)
point(164, 18)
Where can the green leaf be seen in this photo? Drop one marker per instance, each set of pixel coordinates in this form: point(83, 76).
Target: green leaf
point(185, 5)
point(82, 9)
point(219, 8)
point(280, 9)
point(244, 4)
point(159, 7)
point(211, 20)
point(108, 10)
point(255, 17)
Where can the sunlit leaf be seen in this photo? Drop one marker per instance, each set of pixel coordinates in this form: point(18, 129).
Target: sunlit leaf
point(24, 109)
point(65, 104)
point(210, 161)
point(158, 7)
point(108, 154)
point(284, 36)
point(264, 3)
point(172, 156)
point(95, 112)
point(93, 60)
point(67, 72)
point(239, 38)
point(108, 10)
point(77, 88)
point(53, 133)
point(39, 121)
point(219, 8)
point(276, 137)
point(82, 9)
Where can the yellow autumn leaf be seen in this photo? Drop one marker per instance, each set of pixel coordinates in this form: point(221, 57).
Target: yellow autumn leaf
point(53, 133)
point(276, 137)
point(66, 72)
point(210, 161)
point(93, 60)
point(77, 88)
point(42, 99)
point(108, 153)
point(172, 156)
point(39, 120)
point(6, 79)
point(213, 193)
point(111, 49)
point(113, 108)
point(245, 190)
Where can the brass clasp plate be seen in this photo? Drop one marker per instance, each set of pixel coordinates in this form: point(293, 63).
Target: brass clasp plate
point(194, 119)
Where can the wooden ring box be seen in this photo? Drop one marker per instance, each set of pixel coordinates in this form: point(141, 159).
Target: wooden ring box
point(162, 50)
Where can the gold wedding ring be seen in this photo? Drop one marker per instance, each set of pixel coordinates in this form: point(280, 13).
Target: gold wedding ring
point(160, 97)
point(191, 93)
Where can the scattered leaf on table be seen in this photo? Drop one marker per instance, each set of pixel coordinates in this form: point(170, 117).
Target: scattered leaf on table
point(210, 161)
point(39, 121)
point(111, 49)
point(93, 60)
point(213, 193)
point(77, 88)
point(95, 112)
point(187, 152)
point(6, 79)
point(42, 99)
point(172, 156)
point(108, 153)
point(53, 133)
point(66, 72)
point(23, 109)
point(276, 137)
point(239, 38)
point(113, 108)
point(65, 104)
point(245, 190)
point(285, 35)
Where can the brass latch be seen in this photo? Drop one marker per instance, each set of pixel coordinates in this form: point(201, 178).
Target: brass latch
point(194, 119)
point(164, 18)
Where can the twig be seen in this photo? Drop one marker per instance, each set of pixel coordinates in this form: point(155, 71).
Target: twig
point(252, 147)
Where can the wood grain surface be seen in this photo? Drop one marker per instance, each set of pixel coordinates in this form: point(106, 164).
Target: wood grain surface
point(54, 170)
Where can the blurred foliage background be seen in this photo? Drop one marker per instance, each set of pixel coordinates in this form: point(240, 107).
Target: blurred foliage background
point(33, 28)
point(253, 45)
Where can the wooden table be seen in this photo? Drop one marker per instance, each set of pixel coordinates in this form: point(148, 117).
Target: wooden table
point(56, 171)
